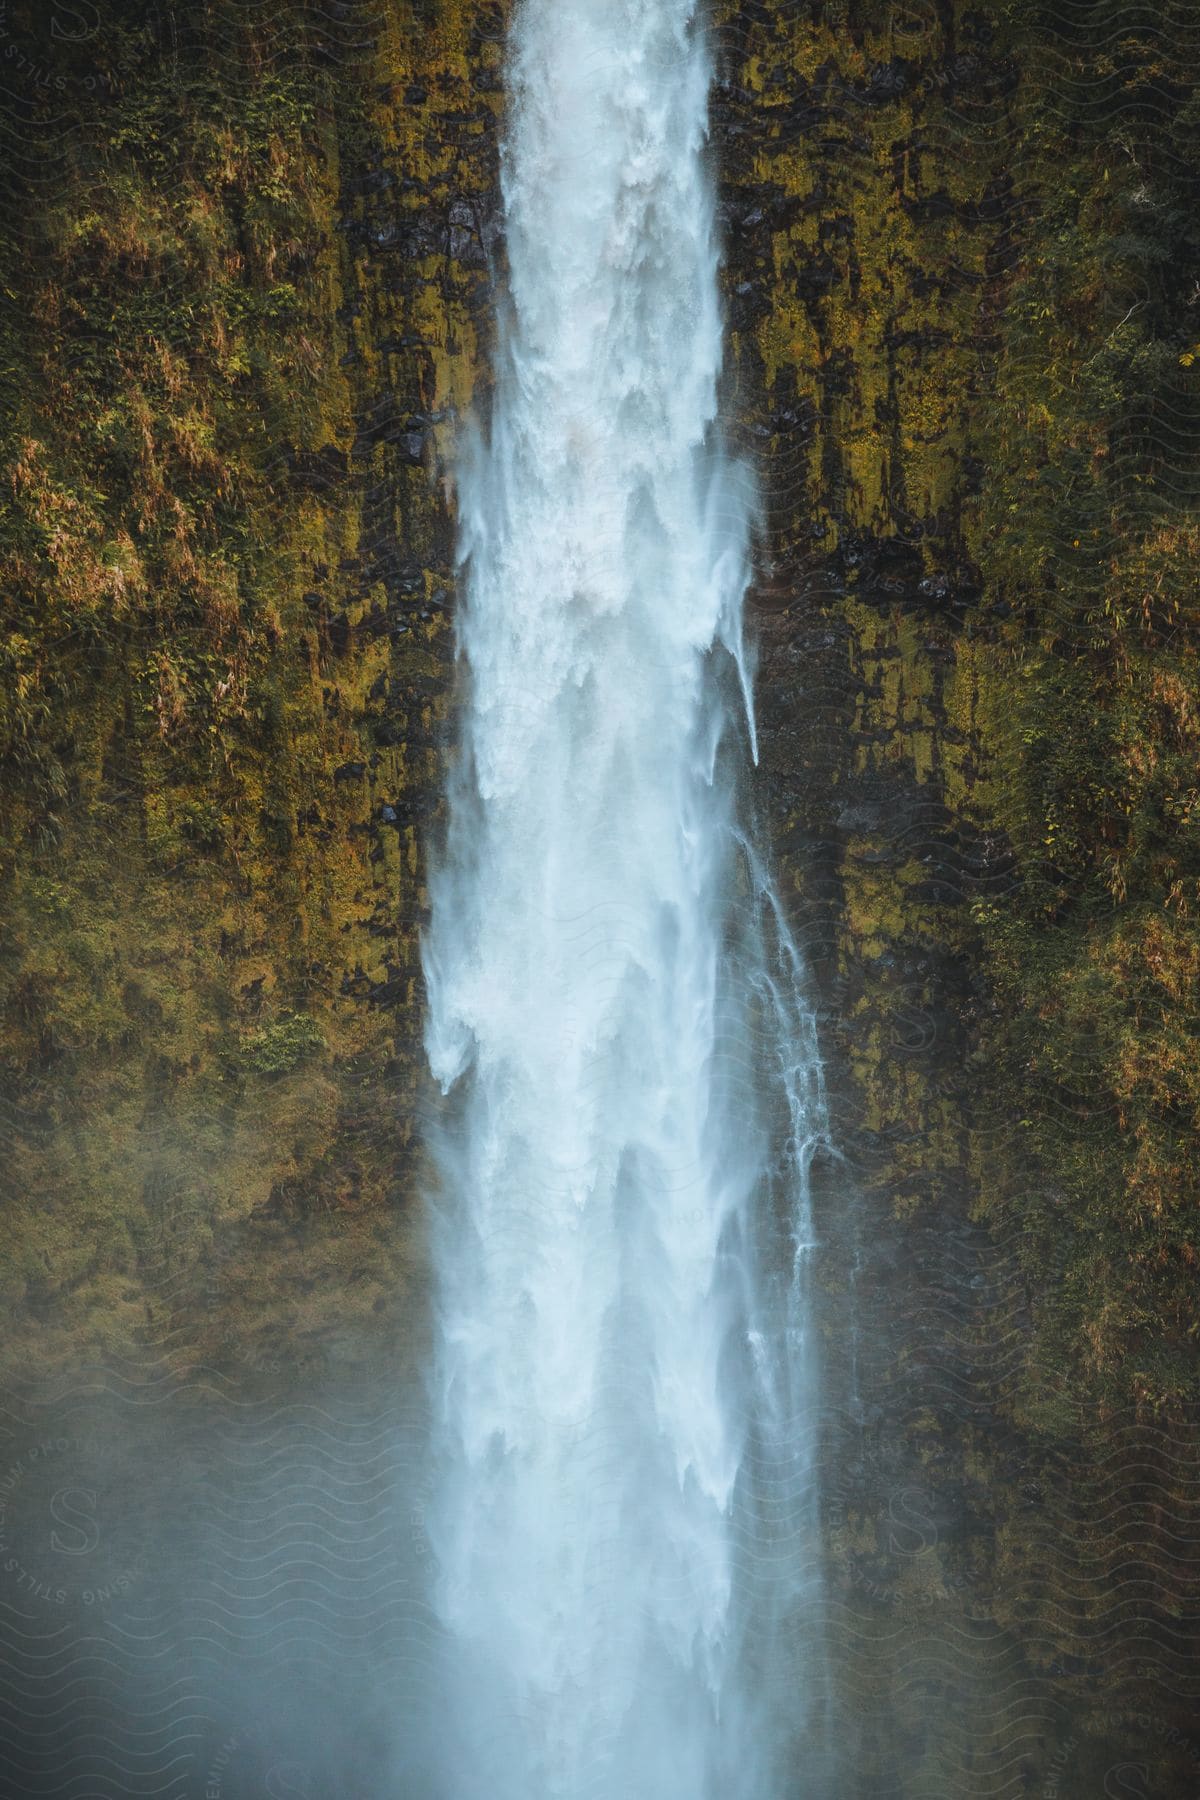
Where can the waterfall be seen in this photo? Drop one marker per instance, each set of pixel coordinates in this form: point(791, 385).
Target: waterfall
point(622, 1382)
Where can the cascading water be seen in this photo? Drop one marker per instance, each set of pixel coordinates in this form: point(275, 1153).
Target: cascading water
point(623, 1386)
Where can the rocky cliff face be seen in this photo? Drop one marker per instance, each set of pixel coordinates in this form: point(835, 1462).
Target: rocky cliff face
point(246, 287)
point(951, 295)
point(250, 264)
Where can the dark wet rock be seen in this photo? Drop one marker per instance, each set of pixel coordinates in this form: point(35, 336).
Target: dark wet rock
point(339, 634)
point(466, 234)
point(926, 209)
point(817, 274)
point(887, 82)
point(390, 993)
point(374, 624)
point(408, 578)
point(316, 469)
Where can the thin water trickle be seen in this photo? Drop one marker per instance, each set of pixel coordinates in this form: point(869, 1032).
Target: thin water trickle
point(624, 1382)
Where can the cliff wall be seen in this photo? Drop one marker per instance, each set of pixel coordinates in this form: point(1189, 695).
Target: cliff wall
point(250, 257)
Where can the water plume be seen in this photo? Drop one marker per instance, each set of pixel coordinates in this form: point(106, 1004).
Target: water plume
point(623, 1376)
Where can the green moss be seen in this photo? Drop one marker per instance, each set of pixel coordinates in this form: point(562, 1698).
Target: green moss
point(282, 1045)
point(1085, 684)
point(199, 531)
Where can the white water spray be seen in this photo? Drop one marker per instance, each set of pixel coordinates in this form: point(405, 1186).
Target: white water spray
point(622, 1389)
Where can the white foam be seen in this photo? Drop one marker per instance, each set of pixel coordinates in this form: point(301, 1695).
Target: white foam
point(611, 994)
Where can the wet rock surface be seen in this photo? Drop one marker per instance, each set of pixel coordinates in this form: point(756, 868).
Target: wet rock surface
point(213, 864)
